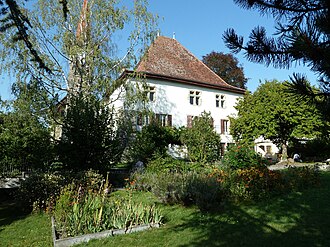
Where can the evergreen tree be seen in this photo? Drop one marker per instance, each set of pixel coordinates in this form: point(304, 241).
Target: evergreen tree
point(303, 35)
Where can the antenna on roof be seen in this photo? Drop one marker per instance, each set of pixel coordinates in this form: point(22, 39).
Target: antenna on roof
point(173, 35)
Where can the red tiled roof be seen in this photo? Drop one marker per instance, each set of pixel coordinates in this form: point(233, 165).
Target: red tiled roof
point(167, 58)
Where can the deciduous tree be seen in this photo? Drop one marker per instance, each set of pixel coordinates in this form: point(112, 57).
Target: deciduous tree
point(272, 113)
point(227, 67)
point(202, 142)
point(73, 44)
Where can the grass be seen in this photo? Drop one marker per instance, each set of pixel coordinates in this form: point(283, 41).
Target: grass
point(297, 219)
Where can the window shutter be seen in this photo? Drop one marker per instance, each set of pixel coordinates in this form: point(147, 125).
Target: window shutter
point(189, 121)
point(222, 126)
point(158, 119)
point(139, 119)
point(169, 120)
point(212, 122)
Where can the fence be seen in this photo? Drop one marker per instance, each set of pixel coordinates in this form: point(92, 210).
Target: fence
point(11, 171)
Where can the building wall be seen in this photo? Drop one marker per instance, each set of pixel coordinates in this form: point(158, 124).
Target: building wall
point(172, 98)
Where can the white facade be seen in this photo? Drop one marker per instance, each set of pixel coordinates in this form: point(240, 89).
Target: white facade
point(266, 148)
point(171, 98)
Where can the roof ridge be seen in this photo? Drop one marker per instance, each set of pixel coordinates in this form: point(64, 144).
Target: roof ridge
point(169, 57)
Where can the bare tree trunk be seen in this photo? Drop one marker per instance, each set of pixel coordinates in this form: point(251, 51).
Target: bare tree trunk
point(284, 152)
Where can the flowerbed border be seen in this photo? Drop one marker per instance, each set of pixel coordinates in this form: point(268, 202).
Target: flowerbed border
point(65, 242)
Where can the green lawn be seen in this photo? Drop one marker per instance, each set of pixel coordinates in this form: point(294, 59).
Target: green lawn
point(298, 219)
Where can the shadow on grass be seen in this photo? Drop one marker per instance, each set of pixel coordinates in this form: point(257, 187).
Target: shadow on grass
point(10, 211)
point(299, 219)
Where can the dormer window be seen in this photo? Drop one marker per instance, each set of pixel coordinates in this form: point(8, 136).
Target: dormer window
point(220, 100)
point(195, 98)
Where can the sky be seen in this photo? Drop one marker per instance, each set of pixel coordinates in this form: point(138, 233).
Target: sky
point(199, 25)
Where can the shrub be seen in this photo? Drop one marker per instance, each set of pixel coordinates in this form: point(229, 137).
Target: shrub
point(39, 190)
point(242, 156)
point(202, 142)
point(166, 163)
point(298, 178)
point(188, 188)
point(153, 139)
point(258, 183)
point(88, 138)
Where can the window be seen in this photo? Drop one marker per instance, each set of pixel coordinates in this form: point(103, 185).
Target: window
point(224, 126)
point(195, 98)
point(150, 93)
point(164, 119)
point(220, 100)
point(268, 149)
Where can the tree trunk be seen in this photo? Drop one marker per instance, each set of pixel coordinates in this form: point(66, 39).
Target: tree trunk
point(284, 152)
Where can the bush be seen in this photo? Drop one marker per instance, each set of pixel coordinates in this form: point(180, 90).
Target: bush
point(153, 139)
point(166, 163)
point(202, 142)
point(242, 156)
point(258, 183)
point(298, 178)
point(39, 190)
point(188, 188)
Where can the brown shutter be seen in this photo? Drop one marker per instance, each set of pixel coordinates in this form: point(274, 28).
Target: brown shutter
point(189, 121)
point(158, 119)
point(212, 122)
point(169, 120)
point(222, 126)
point(139, 119)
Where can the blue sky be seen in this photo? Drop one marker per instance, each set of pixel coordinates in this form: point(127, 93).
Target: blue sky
point(199, 26)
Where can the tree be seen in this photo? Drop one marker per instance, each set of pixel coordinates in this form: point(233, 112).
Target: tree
point(25, 141)
point(303, 35)
point(272, 113)
point(88, 135)
point(152, 140)
point(226, 66)
point(202, 142)
point(67, 45)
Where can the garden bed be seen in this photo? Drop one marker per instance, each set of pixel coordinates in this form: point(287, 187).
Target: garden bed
point(65, 242)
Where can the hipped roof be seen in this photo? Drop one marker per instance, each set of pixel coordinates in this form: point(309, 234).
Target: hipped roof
point(167, 59)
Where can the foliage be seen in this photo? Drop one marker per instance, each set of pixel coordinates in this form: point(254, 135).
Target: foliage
point(39, 190)
point(87, 211)
point(166, 163)
point(272, 113)
point(242, 156)
point(307, 150)
point(152, 139)
point(298, 178)
point(25, 140)
point(189, 188)
point(284, 219)
point(303, 28)
point(226, 66)
point(202, 142)
point(259, 183)
point(49, 39)
point(88, 136)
